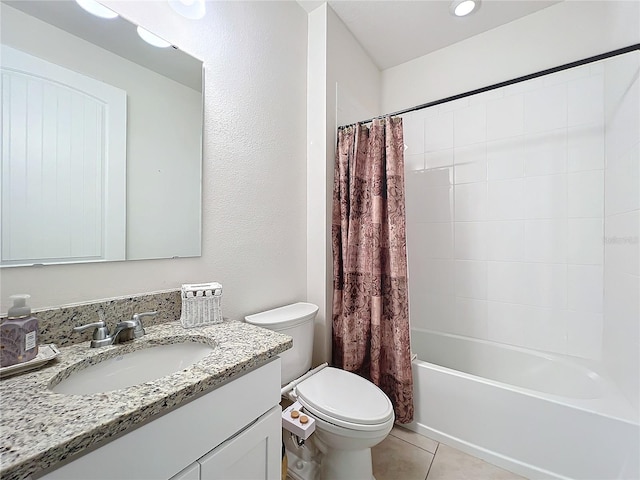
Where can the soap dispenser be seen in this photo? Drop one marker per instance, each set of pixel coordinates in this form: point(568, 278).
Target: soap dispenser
point(18, 333)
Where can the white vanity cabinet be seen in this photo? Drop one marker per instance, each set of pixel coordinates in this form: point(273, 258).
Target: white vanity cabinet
point(243, 456)
point(232, 432)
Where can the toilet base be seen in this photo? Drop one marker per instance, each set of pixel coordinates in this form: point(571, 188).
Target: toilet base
point(346, 464)
point(314, 461)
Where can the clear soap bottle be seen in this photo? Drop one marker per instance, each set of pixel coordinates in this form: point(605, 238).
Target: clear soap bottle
point(18, 333)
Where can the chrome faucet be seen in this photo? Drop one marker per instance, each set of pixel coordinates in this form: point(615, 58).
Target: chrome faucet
point(123, 331)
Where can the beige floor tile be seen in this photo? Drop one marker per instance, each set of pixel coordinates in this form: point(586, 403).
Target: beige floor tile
point(452, 464)
point(395, 459)
point(415, 439)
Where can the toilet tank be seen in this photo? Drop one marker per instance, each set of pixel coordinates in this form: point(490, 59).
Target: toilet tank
point(295, 320)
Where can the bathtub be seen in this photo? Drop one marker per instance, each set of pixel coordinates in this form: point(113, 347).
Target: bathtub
point(538, 415)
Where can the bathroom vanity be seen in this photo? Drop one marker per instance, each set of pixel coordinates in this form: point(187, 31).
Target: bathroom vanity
point(216, 419)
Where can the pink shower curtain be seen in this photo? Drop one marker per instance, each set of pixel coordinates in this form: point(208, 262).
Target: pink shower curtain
point(370, 297)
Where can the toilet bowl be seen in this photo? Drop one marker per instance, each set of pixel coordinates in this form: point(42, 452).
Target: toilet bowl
point(352, 414)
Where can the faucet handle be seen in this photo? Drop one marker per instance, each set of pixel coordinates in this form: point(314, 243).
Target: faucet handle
point(137, 320)
point(138, 316)
point(101, 330)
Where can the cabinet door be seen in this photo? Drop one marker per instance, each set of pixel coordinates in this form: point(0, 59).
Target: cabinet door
point(253, 454)
point(192, 472)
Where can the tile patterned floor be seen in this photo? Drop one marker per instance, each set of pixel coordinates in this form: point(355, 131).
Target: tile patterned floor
point(405, 455)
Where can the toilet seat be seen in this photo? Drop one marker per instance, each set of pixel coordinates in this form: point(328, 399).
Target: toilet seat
point(345, 399)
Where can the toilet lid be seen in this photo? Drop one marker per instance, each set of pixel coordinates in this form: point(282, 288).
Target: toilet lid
point(345, 399)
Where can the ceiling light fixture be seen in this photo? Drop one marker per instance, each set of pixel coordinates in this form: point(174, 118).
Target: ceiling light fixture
point(460, 8)
point(97, 9)
point(152, 39)
point(191, 9)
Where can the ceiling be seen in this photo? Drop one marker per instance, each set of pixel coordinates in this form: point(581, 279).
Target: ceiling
point(396, 31)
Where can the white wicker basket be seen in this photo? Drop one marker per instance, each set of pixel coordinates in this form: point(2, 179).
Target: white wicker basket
point(201, 304)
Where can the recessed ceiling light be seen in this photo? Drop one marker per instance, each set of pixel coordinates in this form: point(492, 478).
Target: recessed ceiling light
point(192, 9)
point(96, 9)
point(460, 8)
point(152, 39)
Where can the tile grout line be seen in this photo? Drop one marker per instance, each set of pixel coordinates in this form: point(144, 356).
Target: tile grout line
point(432, 460)
point(417, 446)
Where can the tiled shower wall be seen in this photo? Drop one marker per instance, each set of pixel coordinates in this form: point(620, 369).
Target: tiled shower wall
point(505, 213)
point(621, 333)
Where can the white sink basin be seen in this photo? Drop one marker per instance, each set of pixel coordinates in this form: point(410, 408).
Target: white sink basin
point(133, 368)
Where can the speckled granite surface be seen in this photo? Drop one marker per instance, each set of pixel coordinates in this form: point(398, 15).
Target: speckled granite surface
point(56, 324)
point(39, 428)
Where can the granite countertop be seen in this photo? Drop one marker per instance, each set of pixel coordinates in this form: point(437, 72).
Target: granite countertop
point(39, 428)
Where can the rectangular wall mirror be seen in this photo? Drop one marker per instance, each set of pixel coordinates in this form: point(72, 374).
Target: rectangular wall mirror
point(101, 140)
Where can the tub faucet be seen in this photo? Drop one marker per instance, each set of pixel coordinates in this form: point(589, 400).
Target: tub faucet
point(123, 331)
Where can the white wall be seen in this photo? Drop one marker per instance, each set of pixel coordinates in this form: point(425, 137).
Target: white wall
point(343, 87)
point(559, 34)
point(254, 195)
point(621, 335)
point(162, 173)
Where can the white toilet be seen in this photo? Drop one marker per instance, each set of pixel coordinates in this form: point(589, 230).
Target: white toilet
point(351, 413)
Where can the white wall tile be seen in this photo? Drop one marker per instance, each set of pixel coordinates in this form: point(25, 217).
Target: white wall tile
point(438, 158)
point(471, 317)
point(621, 344)
point(471, 279)
point(545, 285)
point(506, 323)
point(413, 161)
point(470, 172)
point(546, 241)
point(470, 125)
point(470, 163)
point(433, 275)
point(438, 131)
point(471, 240)
point(566, 76)
point(434, 311)
point(623, 123)
point(505, 240)
point(506, 282)
point(546, 196)
point(585, 241)
point(426, 202)
point(584, 332)
point(546, 329)
point(435, 240)
point(505, 158)
point(586, 194)
point(545, 109)
point(471, 202)
point(437, 177)
point(585, 148)
point(470, 154)
point(585, 288)
point(622, 183)
point(505, 117)
point(545, 153)
point(622, 242)
point(413, 133)
point(586, 100)
point(505, 199)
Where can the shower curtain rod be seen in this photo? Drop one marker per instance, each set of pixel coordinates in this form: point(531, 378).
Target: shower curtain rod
point(566, 66)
